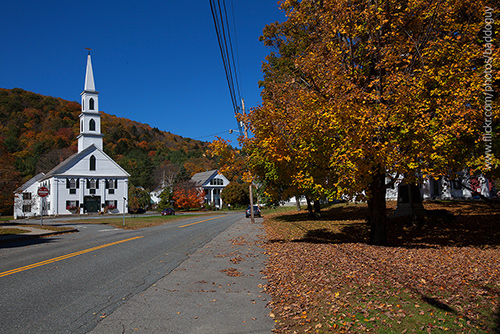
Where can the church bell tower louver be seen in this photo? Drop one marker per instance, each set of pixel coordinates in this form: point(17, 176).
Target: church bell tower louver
point(90, 119)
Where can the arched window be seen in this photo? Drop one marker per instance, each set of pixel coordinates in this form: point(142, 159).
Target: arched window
point(91, 104)
point(81, 126)
point(92, 125)
point(92, 163)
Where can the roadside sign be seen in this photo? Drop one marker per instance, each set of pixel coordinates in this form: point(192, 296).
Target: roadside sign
point(43, 191)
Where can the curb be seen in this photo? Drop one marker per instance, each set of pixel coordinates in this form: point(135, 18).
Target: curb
point(21, 237)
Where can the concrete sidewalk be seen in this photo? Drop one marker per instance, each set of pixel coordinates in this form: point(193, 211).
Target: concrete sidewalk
point(219, 289)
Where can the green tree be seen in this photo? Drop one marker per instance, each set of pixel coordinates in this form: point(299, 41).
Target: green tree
point(235, 194)
point(182, 175)
point(138, 198)
point(166, 198)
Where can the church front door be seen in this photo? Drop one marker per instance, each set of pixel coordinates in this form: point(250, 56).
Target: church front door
point(92, 204)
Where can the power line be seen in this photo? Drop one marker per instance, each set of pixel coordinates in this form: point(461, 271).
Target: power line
point(219, 15)
point(213, 134)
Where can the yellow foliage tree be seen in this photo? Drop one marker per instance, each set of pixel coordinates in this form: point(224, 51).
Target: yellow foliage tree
point(359, 90)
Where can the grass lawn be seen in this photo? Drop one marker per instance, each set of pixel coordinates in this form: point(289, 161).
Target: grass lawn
point(12, 230)
point(19, 230)
point(443, 275)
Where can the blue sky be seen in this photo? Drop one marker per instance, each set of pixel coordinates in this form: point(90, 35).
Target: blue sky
point(155, 62)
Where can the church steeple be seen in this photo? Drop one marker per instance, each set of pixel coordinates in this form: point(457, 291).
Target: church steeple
point(89, 76)
point(90, 119)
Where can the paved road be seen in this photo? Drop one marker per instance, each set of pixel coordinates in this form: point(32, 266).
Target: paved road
point(68, 283)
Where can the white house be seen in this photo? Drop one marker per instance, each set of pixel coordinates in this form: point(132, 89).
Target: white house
point(445, 189)
point(87, 182)
point(212, 183)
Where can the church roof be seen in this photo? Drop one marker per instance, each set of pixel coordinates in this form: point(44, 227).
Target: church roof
point(66, 164)
point(33, 180)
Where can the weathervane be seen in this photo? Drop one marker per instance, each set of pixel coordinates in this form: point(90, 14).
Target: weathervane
point(88, 49)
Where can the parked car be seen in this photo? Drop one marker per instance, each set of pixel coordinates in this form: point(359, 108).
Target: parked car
point(256, 211)
point(168, 212)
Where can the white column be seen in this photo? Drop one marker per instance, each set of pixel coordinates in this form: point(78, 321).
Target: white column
point(55, 196)
point(82, 193)
point(103, 192)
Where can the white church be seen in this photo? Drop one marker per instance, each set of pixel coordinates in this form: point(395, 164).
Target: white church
point(89, 181)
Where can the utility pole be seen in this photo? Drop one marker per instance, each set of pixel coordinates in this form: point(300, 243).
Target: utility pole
point(252, 216)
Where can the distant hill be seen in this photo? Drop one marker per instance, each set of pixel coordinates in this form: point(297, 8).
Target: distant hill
point(37, 132)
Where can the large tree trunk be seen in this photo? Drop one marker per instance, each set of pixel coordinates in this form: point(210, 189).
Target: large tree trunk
point(297, 202)
point(377, 210)
point(317, 208)
point(309, 207)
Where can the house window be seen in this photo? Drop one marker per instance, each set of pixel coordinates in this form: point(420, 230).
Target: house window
point(26, 208)
point(92, 125)
point(92, 163)
point(27, 196)
point(216, 182)
point(91, 104)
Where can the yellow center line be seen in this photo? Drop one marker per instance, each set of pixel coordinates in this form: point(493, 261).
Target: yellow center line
point(63, 257)
point(202, 221)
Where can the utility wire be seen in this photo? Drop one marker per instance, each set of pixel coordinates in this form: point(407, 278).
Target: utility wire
point(213, 134)
point(219, 15)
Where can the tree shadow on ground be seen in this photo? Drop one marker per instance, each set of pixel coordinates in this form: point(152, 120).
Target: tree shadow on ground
point(340, 213)
point(25, 241)
point(354, 233)
point(438, 229)
point(457, 224)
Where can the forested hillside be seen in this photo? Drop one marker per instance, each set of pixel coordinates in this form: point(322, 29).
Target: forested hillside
point(37, 132)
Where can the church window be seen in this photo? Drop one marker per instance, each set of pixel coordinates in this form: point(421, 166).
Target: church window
point(92, 185)
point(72, 205)
point(92, 163)
point(111, 185)
point(81, 126)
point(92, 125)
point(111, 204)
point(72, 185)
point(91, 104)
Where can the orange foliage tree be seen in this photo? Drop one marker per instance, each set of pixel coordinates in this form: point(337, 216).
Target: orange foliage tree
point(10, 179)
point(232, 164)
point(356, 91)
point(188, 196)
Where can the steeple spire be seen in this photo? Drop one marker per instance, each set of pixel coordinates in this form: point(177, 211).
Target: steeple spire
point(89, 76)
point(90, 119)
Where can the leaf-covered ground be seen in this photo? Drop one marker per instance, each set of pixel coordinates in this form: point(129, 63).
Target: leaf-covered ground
point(439, 275)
